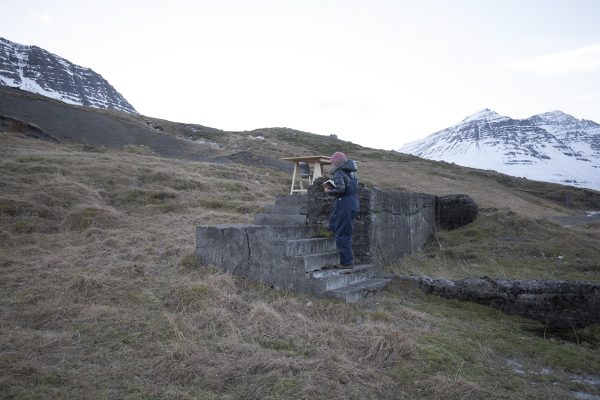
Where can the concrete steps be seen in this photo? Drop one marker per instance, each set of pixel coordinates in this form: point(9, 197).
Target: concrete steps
point(331, 279)
point(287, 216)
point(354, 292)
point(298, 247)
point(313, 254)
point(280, 219)
point(283, 252)
point(287, 211)
point(313, 262)
point(277, 233)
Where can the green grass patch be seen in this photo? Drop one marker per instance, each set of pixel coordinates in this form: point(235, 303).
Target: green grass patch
point(502, 244)
point(285, 388)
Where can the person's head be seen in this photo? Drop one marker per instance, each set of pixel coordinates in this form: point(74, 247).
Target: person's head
point(338, 158)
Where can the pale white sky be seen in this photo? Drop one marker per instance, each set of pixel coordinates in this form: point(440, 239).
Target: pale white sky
point(378, 73)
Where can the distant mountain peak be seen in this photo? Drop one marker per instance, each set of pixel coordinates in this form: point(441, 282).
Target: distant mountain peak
point(553, 146)
point(556, 117)
point(486, 114)
point(36, 70)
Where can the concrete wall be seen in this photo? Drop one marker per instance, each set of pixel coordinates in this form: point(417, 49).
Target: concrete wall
point(255, 252)
point(390, 224)
point(399, 223)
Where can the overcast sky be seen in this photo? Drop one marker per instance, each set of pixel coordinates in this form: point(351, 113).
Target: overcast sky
point(377, 73)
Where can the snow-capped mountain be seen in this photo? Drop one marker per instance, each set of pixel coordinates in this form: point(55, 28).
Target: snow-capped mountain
point(36, 70)
point(552, 147)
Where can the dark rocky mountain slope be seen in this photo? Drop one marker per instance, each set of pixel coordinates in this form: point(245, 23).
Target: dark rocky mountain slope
point(36, 70)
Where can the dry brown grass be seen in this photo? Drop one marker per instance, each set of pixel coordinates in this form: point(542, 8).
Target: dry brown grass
point(102, 296)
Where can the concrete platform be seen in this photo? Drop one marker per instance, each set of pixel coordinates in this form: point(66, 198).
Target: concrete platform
point(282, 250)
point(292, 232)
point(355, 292)
point(325, 280)
point(313, 262)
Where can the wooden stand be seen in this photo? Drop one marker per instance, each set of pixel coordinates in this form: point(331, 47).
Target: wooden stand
point(315, 162)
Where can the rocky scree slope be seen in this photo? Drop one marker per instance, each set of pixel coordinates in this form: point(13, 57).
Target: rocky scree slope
point(552, 147)
point(37, 70)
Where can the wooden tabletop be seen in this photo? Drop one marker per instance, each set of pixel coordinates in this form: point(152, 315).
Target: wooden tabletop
point(325, 160)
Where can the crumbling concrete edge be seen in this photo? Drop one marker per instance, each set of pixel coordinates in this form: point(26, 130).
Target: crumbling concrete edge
point(554, 303)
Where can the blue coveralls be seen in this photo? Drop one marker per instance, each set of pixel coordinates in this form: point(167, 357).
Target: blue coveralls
point(345, 209)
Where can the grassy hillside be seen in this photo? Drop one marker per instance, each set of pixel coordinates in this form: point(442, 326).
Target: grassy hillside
point(102, 296)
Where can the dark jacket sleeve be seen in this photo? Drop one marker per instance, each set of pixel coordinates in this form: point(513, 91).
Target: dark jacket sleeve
point(340, 184)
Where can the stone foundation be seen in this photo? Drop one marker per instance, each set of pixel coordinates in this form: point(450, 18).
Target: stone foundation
point(554, 303)
point(393, 224)
point(285, 247)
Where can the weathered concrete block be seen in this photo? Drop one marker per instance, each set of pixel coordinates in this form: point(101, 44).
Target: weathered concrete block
point(555, 303)
point(249, 251)
point(456, 210)
point(401, 223)
point(355, 292)
point(226, 246)
point(336, 278)
point(389, 225)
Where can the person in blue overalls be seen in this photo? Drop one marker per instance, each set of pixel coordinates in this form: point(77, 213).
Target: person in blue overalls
point(345, 207)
